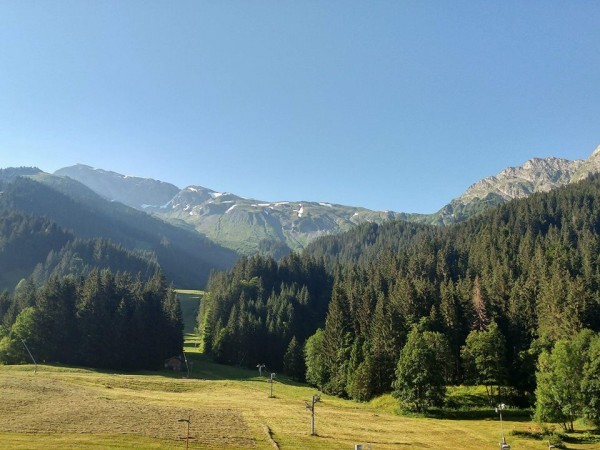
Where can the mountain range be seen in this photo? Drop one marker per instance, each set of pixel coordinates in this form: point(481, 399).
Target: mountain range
point(80, 217)
point(248, 226)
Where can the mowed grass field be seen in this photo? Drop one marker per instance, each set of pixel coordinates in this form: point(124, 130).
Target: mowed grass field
point(229, 408)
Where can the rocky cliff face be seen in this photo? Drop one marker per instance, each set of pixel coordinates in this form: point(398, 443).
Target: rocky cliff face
point(536, 175)
point(588, 167)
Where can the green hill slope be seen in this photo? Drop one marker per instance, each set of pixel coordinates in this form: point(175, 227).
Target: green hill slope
point(185, 257)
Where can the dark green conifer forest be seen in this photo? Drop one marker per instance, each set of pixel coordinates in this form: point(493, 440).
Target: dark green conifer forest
point(495, 294)
point(102, 320)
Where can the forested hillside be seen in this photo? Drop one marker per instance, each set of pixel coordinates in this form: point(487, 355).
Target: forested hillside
point(38, 248)
point(487, 297)
point(260, 310)
point(185, 256)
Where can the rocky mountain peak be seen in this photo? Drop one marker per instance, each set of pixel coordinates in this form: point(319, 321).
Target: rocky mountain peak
point(589, 166)
point(535, 175)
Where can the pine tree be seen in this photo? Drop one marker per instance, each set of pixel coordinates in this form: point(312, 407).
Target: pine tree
point(337, 343)
point(56, 320)
point(293, 360)
point(384, 346)
point(481, 318)
point(93, 321)
point(172, 336)
point(361, 384)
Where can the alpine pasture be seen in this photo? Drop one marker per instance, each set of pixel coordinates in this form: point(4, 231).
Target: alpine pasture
point(228, 408)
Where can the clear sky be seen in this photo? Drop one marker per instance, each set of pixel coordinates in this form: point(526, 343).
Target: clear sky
point(390, 105)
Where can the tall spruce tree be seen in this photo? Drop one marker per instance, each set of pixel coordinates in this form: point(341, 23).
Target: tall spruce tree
point(337, 343)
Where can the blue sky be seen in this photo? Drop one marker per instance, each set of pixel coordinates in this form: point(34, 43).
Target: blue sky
point(390, 105)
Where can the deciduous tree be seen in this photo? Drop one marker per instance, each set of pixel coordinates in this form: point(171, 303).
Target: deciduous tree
point(420, 381)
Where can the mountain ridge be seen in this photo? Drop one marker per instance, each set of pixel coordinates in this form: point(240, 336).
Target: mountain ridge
point(111, 185)
point(242, 224)
point(535, 175)
point(249, 225)
point(186, 257)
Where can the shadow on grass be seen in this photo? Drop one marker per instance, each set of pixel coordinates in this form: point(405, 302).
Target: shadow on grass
point(559, 439)
point(514, 415)
point(466, 400)
point(203, 368)
point(582, 437)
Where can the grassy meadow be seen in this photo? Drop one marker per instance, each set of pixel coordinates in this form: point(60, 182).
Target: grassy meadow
point(190, 302)
point(229, 408)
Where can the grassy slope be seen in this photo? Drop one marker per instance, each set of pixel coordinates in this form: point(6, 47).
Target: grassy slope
point(189, 301)
point(230, 408)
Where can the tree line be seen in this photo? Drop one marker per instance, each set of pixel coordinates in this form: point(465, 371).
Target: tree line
point(485, 300)
point(103, 320)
